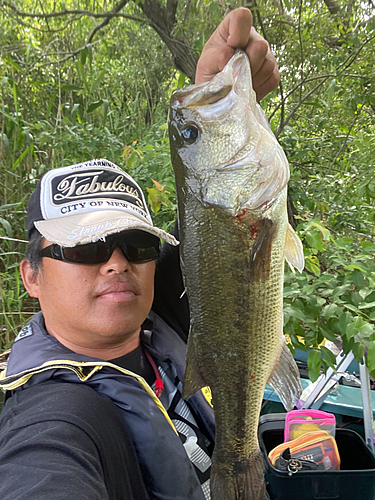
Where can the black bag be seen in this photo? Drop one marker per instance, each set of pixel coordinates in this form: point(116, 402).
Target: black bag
point(286, 463)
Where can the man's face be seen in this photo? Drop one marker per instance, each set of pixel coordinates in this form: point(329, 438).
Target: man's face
point(97, 306)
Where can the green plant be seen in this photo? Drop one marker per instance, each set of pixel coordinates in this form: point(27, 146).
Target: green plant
point(333, 298)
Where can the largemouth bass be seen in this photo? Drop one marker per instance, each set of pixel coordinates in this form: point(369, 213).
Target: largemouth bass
point(231, 178)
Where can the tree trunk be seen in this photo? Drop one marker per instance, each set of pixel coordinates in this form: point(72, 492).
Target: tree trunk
point(163, 21)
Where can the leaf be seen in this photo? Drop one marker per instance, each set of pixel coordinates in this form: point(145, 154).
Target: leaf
point(314, 361)
point(6, 141)
point(181, 81)
point(358, 351)
point(97, 82)
point(296, 343)
point(94, 105)
point(294, 312)
point(50, 104)
point(359, 325)
point(328, 334)
point(7, 206)
point(83, 56)
point(89, 52)
point(7, 227)
point(351, 308)
point(314, 239)
point(358, 278)
point(105, 110)
point(330, 310)
point(366, 305)
point(371, 356)
point(345, 319)
point(356, 298)
point(74, 110)
point(340, 290)
point(326, 234)
point(14, 64)
point(331, 358)
point(20, 158)
point(154, 199)
point(312, 264)
point(158, 185)
point(73, 88)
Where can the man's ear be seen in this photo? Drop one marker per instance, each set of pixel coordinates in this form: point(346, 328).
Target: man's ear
point(30, 278)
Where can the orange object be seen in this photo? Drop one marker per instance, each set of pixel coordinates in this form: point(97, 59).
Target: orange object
point(317, 446)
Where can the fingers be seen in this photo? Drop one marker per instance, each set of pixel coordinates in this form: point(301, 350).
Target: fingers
point(263, 85)
point(256, 49)
point(236, 31)
point(264, 68)
point(233, 32)
point(235, 27)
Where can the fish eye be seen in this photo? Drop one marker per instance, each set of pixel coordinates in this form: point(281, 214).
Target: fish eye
point(190, 134)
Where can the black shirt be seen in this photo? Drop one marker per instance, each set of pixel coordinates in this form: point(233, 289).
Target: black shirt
point(60, 441)
point(137, 362)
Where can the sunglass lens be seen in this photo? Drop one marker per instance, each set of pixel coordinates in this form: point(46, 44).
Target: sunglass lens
point(92, 253)
point(135, 254)
point(139, 246)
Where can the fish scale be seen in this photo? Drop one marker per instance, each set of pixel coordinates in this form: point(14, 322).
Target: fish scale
point(234, 236)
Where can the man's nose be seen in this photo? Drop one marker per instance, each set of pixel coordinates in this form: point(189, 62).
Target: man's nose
point(117, 263)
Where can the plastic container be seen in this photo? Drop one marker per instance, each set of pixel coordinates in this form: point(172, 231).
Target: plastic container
point(298, 422)
point(317, 446)
point(354, 481)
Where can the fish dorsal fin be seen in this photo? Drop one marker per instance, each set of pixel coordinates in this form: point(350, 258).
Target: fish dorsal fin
point(285, 379)
point(293, 251)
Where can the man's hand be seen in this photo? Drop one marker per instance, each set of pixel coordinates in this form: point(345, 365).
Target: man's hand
point(236, 31)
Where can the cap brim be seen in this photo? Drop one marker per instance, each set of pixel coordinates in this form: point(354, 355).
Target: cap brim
point(90, 227)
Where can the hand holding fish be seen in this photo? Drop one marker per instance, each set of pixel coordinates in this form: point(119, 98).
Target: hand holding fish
point(237, 31)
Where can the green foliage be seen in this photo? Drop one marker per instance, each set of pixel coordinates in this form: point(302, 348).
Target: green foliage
point(333, 299)
point(149, 162)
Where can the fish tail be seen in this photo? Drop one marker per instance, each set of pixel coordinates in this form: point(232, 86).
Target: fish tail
point(243, 480)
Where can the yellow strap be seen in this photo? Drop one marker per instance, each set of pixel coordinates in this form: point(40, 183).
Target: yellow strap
point(15, 381)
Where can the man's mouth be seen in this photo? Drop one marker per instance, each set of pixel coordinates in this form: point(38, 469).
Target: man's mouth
point(117, 291)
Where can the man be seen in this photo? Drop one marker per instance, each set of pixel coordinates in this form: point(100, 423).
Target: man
point(94, 406)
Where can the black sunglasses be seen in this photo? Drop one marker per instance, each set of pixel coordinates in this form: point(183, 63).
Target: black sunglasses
point(136, 246)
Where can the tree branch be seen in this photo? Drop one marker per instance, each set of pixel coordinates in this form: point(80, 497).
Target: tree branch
point(112, 13)
point(74, 12)
point(346, 140)
point(161, 19)
point(340, 69)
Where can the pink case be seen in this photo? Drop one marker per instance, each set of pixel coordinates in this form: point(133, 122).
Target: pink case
point(322, 420)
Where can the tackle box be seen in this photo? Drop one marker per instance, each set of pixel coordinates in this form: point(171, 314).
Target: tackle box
point(354, 481)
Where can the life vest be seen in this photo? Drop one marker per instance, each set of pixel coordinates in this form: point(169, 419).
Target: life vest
point(37, 357)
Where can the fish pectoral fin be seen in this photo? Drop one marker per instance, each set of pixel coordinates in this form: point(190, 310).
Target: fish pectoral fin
point(285, 379)
point(294, 250)
point(193, 380)
point(260, 257)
